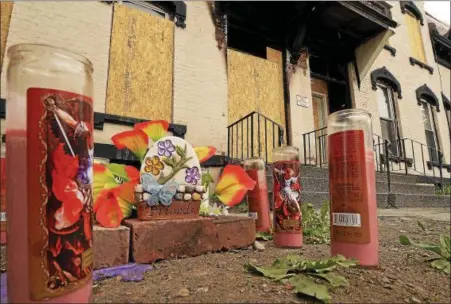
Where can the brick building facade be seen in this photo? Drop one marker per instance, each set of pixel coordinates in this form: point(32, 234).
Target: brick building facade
point(200, 68)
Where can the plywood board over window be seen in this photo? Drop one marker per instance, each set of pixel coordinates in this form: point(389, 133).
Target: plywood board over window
point(6, 9)
point(256, 84)
point(415, 37)
point(141, 65)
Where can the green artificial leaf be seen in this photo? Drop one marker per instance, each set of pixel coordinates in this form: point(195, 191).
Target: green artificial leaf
point(404, 240)
point(207, 179)
point(180, 152)
point(441, 264)
point(263, 236)
point(334, 279)
point(445, 244)
point(272, 272)
point(118, 170)
point(305, 285)
point(342, 261)
point(429, 246)
point(420, 224)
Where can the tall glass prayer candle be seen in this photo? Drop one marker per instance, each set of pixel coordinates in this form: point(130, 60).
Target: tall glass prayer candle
point(2, 192)
point(258, 197)
point(352, 186)
point(287, 197)
point(49, 127)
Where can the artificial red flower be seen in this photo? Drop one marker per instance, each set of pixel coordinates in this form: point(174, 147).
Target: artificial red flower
point(155, 129)
point(107, 209)
point(204, 153)
point(134, 140)
point(233, 185)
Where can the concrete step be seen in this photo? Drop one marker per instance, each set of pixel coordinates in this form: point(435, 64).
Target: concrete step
point(312, 171)
point(400, 200)
point(313, 184)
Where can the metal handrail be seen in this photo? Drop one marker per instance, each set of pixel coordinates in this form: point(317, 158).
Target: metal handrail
point(248, 132)
point(410, 154)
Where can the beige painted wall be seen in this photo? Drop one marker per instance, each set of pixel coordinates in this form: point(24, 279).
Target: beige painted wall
point(83, 27)
point(410, 78)
point(301, 118)
point(200, 80)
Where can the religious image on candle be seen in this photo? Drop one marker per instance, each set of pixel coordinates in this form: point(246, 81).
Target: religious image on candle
point(65, 160)
point(287, 196)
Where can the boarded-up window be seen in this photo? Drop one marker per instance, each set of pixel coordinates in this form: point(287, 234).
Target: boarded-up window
point(6, 9)
point(255, 84)
point(415, 37)
point(141, 65)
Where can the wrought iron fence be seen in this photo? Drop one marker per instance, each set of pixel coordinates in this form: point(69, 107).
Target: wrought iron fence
point(254, 135)
point(408, 156)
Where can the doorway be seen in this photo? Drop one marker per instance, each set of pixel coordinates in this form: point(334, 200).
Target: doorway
point(320, 106)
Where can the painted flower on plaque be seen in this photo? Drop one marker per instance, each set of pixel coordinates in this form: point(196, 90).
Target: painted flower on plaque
point(153, 165)
point(165, 148)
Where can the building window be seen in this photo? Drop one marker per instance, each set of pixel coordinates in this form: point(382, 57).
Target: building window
point(430, 130)
point(150, 8)
point(388, 118)
point(415, 37)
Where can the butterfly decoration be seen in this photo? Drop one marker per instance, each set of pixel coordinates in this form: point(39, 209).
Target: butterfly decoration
point(158, 193)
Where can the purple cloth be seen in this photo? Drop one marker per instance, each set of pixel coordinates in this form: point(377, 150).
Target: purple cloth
point(3, 297)
point(129, 273)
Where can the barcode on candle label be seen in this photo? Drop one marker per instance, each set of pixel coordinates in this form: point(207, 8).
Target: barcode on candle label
point(2, 216)
point(347, 219)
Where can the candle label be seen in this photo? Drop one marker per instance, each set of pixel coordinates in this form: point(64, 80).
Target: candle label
point(59, 159)
point(287, 197)
point(2, 195)
point(348, 187)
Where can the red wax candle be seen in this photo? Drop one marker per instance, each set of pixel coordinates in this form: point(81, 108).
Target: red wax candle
point(258, 197)
point(2, 194)
point(49, 127)
point(352, 187)
point(287, 198)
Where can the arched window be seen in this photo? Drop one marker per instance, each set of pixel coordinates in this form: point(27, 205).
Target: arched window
point(413, 19)
point(386, 85)
point(428, 101)
point(447, 106)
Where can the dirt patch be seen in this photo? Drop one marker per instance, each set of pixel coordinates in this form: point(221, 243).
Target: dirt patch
point(404, 276)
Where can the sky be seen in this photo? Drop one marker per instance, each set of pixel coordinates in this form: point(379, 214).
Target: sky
point(439, 9)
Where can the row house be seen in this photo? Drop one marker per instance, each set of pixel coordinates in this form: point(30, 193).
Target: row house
point(246, 77)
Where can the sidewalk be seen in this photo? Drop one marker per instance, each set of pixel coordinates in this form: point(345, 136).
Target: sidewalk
point(438, 214)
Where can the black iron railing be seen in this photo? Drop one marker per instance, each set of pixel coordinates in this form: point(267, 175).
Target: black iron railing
point(405, 156)
point(254, 135)
point(315, 147)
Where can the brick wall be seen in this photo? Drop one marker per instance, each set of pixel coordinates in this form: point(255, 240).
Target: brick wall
point(200, 80)
point(83, 27)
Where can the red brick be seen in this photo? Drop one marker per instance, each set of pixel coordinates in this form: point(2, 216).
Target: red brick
point(156, 240)
point(235, 232)
point(111, 246)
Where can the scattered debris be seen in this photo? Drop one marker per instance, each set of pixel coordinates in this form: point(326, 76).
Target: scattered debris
point(258, 246)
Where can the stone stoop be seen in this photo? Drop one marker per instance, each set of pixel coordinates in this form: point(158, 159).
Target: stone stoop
point(406, 191)
point(156, 240)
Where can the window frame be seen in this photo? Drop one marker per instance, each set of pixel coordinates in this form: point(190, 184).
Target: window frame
point(395, 149)
point(431, 114)
point(151, 8)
